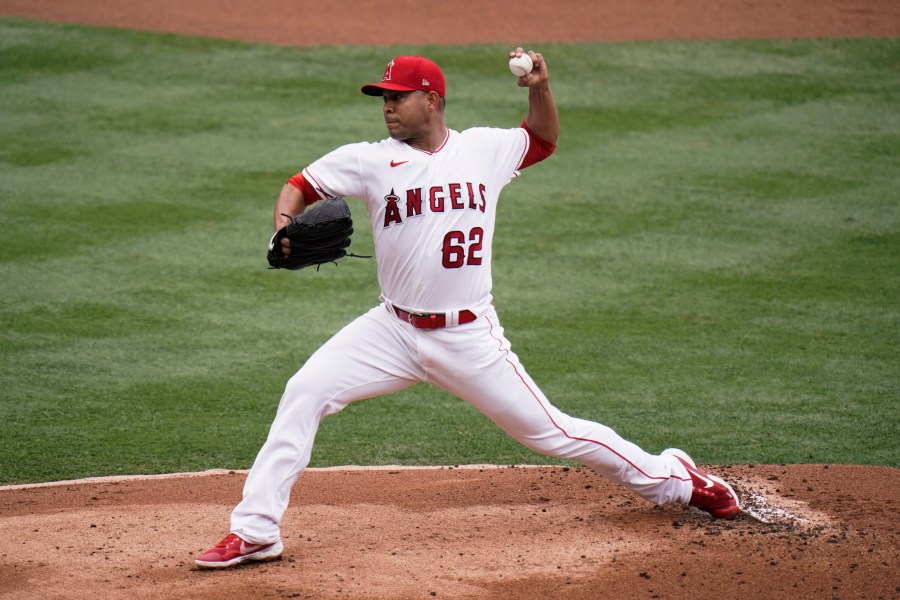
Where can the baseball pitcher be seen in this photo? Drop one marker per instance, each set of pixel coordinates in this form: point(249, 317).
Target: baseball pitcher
point(431, 195)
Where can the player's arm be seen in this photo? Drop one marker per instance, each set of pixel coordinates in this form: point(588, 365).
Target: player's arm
point(291, 202)
point(294, 198)
point(297, 194)
point(542, 118)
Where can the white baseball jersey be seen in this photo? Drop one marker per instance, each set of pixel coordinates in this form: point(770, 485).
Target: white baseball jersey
point(432, 213)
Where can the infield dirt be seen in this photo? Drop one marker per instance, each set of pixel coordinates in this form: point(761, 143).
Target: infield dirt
point(464, 533)
point(472, 533)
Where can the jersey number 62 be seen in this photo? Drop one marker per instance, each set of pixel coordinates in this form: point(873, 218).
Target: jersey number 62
point(455, 254)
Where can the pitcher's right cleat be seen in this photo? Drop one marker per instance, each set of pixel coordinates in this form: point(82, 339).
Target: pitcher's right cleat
point(711, 493)
point(233, 550)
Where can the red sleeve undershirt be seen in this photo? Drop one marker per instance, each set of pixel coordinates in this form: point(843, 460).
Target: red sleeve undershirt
point(309, 192)
point(538, 150)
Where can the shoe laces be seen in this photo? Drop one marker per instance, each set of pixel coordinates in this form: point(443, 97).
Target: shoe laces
point(229, 539)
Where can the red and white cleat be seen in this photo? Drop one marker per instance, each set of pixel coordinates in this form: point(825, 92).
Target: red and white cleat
point(711, 493)
point(233, 550)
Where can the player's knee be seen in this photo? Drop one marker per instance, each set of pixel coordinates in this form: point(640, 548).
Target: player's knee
point(302, 397)
point(548, 445)
point(298, 395)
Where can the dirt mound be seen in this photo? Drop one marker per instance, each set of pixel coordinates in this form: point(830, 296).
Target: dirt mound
point(527, 532)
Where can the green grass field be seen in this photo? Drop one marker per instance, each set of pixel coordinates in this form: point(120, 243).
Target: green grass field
point(710, 260)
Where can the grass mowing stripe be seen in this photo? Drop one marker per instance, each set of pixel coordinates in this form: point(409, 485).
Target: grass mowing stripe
point(720, 270)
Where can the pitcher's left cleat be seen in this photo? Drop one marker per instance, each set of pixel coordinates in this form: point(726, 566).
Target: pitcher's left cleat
point(711, 493)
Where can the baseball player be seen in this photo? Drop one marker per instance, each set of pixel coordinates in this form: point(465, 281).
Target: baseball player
point(431, 194)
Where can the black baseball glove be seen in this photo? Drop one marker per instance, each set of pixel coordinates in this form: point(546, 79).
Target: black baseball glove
point(319, 235)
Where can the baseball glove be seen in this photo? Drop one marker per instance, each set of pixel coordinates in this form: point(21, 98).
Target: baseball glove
point(319, 235)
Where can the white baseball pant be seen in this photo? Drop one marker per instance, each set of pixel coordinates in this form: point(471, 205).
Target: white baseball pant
point(379, 354)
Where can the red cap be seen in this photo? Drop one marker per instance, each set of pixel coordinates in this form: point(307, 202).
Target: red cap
point(407, 74)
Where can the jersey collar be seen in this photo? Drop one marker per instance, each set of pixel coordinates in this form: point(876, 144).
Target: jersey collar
point(438, 149)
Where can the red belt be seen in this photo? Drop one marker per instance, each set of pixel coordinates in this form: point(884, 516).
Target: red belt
point(432, 320)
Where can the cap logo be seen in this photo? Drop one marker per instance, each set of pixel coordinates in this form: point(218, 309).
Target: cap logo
point(425, 83)
point(387, 71)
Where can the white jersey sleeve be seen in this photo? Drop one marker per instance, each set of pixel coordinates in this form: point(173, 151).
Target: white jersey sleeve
point(337, 173)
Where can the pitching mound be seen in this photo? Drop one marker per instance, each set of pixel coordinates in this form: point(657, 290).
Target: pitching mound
point(528, 532)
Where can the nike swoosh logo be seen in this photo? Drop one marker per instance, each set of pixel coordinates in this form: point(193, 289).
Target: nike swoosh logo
point(248, 548)
point(397, 164)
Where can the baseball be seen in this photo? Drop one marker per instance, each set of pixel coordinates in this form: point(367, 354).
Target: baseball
point(520, 65)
